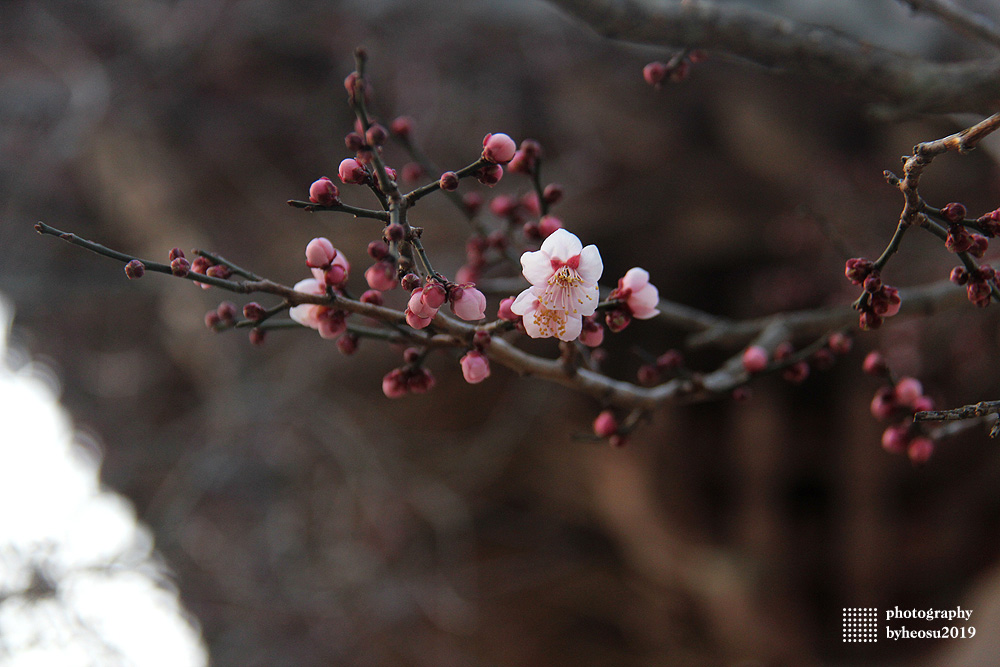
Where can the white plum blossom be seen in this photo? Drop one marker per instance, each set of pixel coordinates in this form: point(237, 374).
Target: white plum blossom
point(563, 276)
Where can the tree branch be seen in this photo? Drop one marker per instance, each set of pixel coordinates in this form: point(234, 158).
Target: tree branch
point(876, 73)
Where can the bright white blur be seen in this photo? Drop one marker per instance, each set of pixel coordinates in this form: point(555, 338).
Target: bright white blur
point(79, 581)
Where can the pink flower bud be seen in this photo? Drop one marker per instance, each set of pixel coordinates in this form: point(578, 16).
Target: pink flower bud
point(959, 275)
point(394, 384)
point(401, 126)
point(530, 203)
point(200, 265)
point(840, 343)
point(372, 296)
point(410, 282)
point(498, 148)
point(874, 364)
point(324, 192)
point(135, 269)
point(467, 302)
point(796, 373)
point(472, 201)
point(617, 319)
point(980, 244)
point(505, 313)
point(320, 253)
point(755, 359)
point(503, 206)
point(412, 172)
point(420, 381)
point(648, 375)
point(180, 267)
point(381, 275)
point(417, 306)
point(475, 367)
point(883, 404)
point(348, 343)
point(175, 253)
point(482, 339)
point(549, 224)
point(908, 390)
point(227, 312)
point(953, 212)
point(219, 271)
point(920, 449)
point(552, 194)
point(490, 174)
point(592, 333)
point(376, 135)
point(394, 232)
point(521, 163)
point(449, 181)
point(654, 73)
point(351, 171)
point(354, 142)
point(670, 360)
point(857, 269)
point(895, 439)
point(212, 320)
point(331, 323)
point(335, 276)
point(253, 311)
point(257, 336)
point(378, 250)
point(433, 295)
point(605, 425)
point(416, 321)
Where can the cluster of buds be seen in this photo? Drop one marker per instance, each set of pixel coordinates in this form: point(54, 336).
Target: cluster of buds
point(878, 300)
point(412, 377)
point(897, 403)
point(756, 358)
point(979, 283)
point(465, 300)
point(989, 224)
point(674, 71)
point(959, 238)
point(670, 363)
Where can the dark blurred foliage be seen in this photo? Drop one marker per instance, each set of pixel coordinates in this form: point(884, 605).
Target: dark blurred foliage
point(310, 521)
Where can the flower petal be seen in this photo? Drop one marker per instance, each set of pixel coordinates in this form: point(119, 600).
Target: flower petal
point(536, 266)
point(525, 302)
point(572, 329)
point(635, 279)
point(591, 265)
point(561, 244)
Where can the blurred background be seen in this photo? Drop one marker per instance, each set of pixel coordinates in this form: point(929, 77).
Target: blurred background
point(308, 520)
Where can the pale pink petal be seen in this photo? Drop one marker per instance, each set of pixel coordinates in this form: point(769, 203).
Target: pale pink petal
point(305, 315)
point(536, 266)
point(591, 265)
point(635, 279)
point(561, 244)
point(525, 302)
point(573, 326)
point(643, 303)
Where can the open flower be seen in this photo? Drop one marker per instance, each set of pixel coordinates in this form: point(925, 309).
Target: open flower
point(563, 274)
point(638, 294)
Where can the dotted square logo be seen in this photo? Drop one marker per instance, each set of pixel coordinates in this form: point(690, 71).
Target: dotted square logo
point(860, 624)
